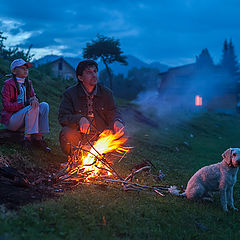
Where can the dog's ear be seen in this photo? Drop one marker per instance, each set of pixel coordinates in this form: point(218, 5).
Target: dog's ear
point(227, 155)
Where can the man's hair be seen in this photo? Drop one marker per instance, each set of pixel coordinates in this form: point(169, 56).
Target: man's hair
point(83, 65)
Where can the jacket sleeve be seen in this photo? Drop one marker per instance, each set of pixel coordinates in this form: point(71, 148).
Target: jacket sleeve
point(7, 101)
point(66, 115)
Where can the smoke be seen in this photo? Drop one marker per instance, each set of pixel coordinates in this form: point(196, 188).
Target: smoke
point(179, 87)
point(151, 103)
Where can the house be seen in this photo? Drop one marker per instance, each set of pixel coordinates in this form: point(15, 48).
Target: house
point(194, 86)
point(61, 68)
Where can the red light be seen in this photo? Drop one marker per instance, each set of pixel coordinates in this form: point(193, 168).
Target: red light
point(198, 100)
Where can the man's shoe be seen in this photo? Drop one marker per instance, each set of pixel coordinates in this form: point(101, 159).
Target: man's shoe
point(42, 144)
point(27, 145)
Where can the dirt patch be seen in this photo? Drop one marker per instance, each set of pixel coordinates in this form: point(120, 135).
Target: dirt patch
point(19, 188)
point(13, 196)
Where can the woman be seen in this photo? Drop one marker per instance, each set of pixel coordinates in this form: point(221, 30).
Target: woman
point(21, 109)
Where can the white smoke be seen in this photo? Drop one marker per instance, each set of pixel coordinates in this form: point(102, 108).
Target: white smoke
point(151, 103)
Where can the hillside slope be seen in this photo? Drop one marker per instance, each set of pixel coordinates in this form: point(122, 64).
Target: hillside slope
point(178, 145)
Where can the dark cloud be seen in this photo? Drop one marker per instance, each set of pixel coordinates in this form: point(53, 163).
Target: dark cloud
point(172, 32)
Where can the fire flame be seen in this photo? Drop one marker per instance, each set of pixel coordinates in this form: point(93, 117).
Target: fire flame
point(92, 161)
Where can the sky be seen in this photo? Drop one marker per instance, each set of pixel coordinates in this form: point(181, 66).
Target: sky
point(171, 32)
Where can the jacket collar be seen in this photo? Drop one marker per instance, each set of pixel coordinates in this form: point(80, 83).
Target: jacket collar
point(82, 93)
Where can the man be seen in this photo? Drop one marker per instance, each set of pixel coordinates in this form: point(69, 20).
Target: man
point(86, 108)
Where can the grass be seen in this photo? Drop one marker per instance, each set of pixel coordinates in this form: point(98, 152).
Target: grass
point(93, 212)
point(179, 146)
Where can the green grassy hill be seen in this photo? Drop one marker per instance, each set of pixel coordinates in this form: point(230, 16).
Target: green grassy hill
point(181, 144)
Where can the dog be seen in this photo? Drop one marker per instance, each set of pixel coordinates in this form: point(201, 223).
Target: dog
point(219, 177)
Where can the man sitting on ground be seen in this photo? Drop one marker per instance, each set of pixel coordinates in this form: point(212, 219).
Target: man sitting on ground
point(86, 108)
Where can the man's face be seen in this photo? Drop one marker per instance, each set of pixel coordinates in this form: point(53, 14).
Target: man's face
point(21, 72)
point(89, 77)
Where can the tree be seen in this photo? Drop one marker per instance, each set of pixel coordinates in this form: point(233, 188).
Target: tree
point(204, 60)
point(138, 80)
point(127, 88)
point(2, 47)
point(229, 60)
point(108, 49)
point(13, 53)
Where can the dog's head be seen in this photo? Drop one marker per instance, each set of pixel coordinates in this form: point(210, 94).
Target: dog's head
point(232, 157)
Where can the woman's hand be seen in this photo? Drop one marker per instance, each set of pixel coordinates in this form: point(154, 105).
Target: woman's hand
point(34, 102)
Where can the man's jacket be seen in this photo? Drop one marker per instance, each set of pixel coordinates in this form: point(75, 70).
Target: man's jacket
point(9, 100)
point(74, 106)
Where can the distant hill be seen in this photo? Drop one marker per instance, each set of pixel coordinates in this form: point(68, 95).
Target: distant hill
point(117, 68)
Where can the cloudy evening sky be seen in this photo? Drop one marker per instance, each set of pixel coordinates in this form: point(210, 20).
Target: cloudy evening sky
point(172, 32)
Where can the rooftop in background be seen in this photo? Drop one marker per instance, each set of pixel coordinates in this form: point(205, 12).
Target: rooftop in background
point(116, 67)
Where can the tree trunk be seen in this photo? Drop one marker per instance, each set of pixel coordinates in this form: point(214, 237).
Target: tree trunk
point(109, 73)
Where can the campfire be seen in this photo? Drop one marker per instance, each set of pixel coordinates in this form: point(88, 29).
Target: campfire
point(92, 161)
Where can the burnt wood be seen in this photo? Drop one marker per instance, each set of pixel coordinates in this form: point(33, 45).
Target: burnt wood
point(13, 176)
point(7, 136)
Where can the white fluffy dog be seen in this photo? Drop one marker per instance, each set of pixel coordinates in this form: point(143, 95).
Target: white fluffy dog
point(217, 177)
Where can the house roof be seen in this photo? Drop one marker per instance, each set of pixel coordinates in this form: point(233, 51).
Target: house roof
point(180, 70)
point(61, 59)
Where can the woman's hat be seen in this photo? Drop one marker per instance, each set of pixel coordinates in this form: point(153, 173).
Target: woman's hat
point(20, 62)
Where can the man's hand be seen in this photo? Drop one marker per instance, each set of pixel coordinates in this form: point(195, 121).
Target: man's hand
point(34, 102)
point(84, 125)
point(118, 126)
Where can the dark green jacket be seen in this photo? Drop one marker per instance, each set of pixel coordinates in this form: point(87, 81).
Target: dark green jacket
point(74, 106)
